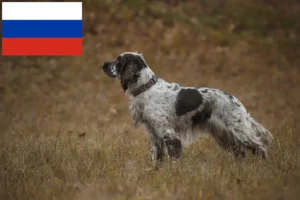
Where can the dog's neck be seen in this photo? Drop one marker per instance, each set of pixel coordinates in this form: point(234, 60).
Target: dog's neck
point(146, 75)
point(145, 87)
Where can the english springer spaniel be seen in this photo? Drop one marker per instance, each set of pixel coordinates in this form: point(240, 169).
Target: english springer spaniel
point(174, 116)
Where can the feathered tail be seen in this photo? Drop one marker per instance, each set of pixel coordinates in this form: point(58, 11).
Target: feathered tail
point(265, 136)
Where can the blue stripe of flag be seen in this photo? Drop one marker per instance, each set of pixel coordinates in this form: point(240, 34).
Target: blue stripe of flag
point(41, 28)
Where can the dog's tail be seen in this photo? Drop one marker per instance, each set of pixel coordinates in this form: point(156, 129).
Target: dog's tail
point(265, 136)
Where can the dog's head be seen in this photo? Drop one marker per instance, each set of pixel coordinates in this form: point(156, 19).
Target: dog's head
point(127, 67)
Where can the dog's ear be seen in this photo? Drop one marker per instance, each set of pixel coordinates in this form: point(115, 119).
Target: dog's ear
point(130, 74)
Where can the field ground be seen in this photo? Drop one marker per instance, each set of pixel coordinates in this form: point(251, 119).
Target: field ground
point(65, 127)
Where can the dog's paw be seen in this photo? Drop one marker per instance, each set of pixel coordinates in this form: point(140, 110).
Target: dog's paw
point(154, 167)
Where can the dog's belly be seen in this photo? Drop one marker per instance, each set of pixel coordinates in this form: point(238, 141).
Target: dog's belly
point(186, 130)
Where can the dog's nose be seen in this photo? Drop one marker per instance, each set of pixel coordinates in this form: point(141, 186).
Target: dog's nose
point(105, 65)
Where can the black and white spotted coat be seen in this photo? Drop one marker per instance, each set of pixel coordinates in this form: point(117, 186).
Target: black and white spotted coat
point(174, 116)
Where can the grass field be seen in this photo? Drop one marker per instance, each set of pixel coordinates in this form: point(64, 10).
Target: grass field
point(65, 128)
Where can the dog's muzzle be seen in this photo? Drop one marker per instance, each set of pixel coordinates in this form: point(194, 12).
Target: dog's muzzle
point(105, 68)
point(110, 69)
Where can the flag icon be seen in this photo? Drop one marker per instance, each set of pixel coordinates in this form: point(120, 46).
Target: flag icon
point(41, 28)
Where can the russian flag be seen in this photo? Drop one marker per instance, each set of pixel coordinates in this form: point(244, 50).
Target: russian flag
point(41, 28)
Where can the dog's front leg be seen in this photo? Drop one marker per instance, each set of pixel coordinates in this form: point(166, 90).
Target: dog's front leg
point(163, 136)
point(173, 144)
point(156, 148)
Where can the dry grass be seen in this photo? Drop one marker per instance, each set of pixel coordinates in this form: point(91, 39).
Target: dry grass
point(112, 166)
point(66, 132)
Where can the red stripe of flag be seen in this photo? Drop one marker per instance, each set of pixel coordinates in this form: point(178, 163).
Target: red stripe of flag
point(41, 46)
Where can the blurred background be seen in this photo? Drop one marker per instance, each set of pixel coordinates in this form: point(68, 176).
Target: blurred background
point(250, 49)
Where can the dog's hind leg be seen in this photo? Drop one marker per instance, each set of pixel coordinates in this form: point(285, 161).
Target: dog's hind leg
point(227, 141)
point(238, 152)
point(258, 151)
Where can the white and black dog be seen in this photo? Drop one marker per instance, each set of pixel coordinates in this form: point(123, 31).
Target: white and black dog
point(173, 115)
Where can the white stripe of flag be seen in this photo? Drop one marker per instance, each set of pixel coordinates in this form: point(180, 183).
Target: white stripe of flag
point(41, 10)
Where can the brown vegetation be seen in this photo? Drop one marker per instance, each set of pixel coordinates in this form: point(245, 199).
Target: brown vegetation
point(66, 132)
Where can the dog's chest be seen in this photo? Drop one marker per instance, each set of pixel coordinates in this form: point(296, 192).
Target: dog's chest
point(152, 107)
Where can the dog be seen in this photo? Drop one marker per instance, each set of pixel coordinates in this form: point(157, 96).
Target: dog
point(173, 115)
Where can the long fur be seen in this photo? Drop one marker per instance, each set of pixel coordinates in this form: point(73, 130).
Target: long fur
point(174, 116)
